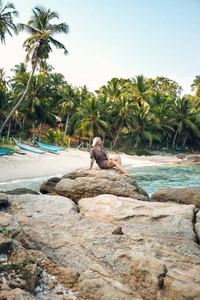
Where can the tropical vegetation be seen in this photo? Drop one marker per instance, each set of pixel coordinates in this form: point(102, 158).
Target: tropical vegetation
point(133, 112)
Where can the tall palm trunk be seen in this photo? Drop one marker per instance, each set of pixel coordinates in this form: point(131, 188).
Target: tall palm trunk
point(90, 139)
point(66, 125)
point(185, 139)
point(33, 131)
point(41, 127)
point(22, 98)
point(174, 140)
point(8, 135)
point(116, 137)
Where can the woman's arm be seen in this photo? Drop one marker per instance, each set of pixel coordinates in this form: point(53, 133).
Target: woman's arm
point(107, 156)
point(91, 163)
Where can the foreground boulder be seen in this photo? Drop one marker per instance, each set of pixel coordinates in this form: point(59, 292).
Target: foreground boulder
point(81, 184)
point(175, 222)
point(48, 187)
point(156, 257)
point(188, 195)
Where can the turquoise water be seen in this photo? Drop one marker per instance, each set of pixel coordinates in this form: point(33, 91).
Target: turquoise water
point(29, 183)
point(150, 178)
point(153, 178)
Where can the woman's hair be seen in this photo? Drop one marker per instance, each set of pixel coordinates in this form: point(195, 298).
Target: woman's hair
point(95, 140)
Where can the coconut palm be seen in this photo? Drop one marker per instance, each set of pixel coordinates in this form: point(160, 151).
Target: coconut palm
point(19, 69)
point(113, 89)
point(88, 119)
point(122, 116)
point(7, 25)
point(183, 115)
point(145, 127)
point(67, 104)
point(159, 107)
point(56, 81)
point(4, 94)
point(38, 45)
point(140, 89)
point(196, 86)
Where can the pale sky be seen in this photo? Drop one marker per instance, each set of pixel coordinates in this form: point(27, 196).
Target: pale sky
point(118, 38)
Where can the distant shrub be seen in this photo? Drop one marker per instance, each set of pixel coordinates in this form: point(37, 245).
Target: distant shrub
point(140, 152)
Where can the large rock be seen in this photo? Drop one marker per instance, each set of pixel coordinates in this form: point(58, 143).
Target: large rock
point(161, 220)
point(82, 243)
point(183, 284)
point(15, 294)
point(48, 186)
point(81, 184)
point(194, 158)
point(197, 225)
point(147, 275)
point(9, 228)
point(188, 195)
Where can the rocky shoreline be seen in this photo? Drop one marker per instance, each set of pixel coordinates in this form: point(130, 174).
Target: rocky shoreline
point(97, 235)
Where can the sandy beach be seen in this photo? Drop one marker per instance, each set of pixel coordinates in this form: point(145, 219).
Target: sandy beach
point(33, 165)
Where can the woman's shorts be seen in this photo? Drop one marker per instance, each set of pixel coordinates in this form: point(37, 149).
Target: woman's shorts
point(103, 164)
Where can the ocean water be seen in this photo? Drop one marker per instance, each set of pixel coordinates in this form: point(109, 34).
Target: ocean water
point(154, 178)
point(29, 183)
point(150, 178)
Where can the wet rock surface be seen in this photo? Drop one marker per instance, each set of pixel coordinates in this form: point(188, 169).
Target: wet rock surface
point(188, 195)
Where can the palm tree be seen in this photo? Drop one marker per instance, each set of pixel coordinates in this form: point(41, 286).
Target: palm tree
point(145, 126)
point(113, 89)
point(88, 119)
point(19, 69)
point(140, 89)
point(6, 20)
point(183, 115)
point(67, 104)
point(122, 116)
point(196, 86)
point(56, 81)
point(38, 45)
point(159, 107)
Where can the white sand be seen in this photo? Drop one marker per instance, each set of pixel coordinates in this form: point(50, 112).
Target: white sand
point(32, 165)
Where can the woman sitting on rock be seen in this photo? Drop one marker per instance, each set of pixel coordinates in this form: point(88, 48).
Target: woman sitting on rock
point(99, 154)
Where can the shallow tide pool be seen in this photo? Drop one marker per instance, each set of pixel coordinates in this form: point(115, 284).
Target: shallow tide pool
point(153, 178)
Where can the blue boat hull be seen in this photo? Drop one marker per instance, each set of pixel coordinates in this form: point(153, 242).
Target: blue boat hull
point(28, 148)
point(49, 147)
point(4, 152)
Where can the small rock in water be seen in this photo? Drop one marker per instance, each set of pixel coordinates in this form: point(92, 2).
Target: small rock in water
point(118, 230)
point(3, 199)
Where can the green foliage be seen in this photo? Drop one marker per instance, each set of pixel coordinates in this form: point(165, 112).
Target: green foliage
point(140, 152)
point(39, 271)
point(51, 136)
point(5, 231)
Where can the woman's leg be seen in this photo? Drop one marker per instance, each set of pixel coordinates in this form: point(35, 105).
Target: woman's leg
point(112, 164)
point(117, 158)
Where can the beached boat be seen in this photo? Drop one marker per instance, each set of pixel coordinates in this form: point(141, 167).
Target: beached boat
point(27, 147)
point(3, 152)
point(11, 150)
point(49, 147)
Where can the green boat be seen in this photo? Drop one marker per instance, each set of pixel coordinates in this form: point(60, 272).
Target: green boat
point(10, 150)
